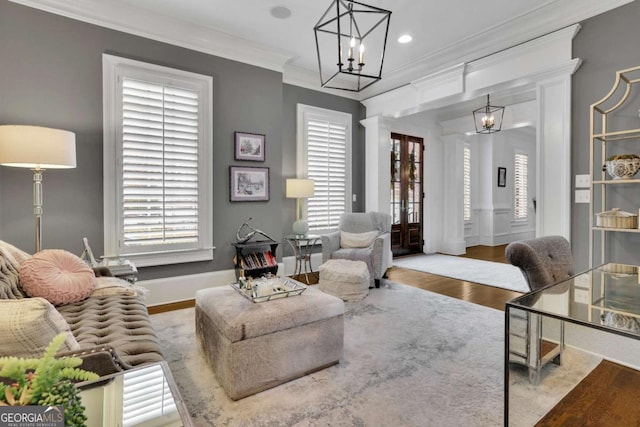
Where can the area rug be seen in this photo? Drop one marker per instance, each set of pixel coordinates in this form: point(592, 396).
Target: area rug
point(411, 358)
point(472, 270)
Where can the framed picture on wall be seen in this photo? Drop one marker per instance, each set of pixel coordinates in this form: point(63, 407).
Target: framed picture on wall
point(249, 146)
point(248, 184)
point(502, 177)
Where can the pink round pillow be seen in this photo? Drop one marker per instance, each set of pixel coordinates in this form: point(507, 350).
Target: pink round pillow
point(58, 276)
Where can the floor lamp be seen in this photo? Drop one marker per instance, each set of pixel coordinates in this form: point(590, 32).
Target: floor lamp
point(37, 148)
point(300, 189)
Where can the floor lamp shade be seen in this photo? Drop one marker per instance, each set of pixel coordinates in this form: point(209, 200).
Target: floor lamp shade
point(300, 189)
point(37, 148)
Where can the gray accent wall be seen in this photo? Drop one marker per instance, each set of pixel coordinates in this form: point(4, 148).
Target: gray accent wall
point(607, 43)
point(294, 95)
point(51, 75)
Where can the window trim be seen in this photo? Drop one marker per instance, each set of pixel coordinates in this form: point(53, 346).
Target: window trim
point(467, 147)
point(113, 68)
point(515, 186)
point(302, 111)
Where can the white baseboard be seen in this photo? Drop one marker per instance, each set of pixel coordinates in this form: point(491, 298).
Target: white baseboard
point(289, 263)
point(181, 288)
point(453, 247)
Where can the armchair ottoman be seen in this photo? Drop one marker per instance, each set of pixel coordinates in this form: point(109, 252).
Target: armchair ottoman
point(351, 242)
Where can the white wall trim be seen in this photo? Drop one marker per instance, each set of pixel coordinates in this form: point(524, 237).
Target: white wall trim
point(144, 23)
point(168, 290)
point(289, 263)
point(519, 66)
point(301, 77)
point(548, 17)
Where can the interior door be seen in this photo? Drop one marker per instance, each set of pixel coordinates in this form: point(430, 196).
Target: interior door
point(407, 157)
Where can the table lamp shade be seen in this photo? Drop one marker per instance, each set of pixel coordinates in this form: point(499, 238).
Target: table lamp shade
point(300, 188)
point(37, 147)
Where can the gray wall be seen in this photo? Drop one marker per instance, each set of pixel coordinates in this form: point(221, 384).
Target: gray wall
point(607, 43)
point(294, 95)
point(51, 75)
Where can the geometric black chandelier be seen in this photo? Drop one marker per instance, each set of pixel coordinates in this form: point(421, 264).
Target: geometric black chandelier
point(488, 119)
point(345, 32)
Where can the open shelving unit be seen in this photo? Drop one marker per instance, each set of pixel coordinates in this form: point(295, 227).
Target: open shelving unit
point(255, 259)
point(608, 135)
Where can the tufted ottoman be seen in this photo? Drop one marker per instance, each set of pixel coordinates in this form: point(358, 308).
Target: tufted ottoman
point(345, 279)
point(255, 346)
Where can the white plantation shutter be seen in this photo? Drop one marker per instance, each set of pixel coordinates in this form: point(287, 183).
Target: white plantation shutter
point(467, 185)
point(326, 166)
point(147, 398)
point(521, 173)
point(326, 140)
point(160, 164)
point(157, 162)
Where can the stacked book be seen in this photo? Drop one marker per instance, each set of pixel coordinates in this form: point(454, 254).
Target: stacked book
point(255, 260)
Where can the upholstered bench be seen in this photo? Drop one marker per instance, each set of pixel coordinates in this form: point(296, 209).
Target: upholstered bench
point(255, 346)
point(345, 279)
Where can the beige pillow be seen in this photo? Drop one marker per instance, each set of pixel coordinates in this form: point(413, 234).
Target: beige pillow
point(109, 286)
point(28, 325)
point(17, 256)
point(357, 240)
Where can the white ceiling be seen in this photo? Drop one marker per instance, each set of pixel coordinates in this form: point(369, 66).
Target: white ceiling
point(444, 33)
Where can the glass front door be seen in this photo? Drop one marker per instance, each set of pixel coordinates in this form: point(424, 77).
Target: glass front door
point(406, 194)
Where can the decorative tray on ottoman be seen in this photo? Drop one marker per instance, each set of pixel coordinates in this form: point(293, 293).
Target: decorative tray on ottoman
point(267, 289)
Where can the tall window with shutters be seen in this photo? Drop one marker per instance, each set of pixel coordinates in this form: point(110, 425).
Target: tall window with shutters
point(157, 161)
point(520, 174)
point(324, 155)
point(466, 184)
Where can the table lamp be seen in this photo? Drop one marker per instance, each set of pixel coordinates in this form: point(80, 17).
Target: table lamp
point(37, 148)
point(300, 189)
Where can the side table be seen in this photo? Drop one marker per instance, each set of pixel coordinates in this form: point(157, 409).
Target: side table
point(302, 247)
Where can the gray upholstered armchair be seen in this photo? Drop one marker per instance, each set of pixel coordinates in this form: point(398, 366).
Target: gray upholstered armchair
point(377, 255)
point(544, 261)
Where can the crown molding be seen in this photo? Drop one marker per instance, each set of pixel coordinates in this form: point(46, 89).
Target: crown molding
point(503, 35)
point(545, 19)
point(151, 25)
point(304, 78)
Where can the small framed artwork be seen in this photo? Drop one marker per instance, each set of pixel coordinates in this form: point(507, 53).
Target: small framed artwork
point(249, 146)
point(502, 177)
point(248, 184)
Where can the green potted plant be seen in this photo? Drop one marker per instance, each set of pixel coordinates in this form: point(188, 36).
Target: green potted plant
point(47, 381)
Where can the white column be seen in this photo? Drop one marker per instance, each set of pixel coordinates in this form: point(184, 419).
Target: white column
point(377, 164)
point(453, 242)
point(434, 189)
point(554, 157)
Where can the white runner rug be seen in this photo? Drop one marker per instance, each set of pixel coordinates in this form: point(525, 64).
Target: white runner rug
point(472, 270)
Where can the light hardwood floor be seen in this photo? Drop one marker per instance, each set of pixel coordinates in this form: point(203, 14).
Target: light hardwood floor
point(468, 291)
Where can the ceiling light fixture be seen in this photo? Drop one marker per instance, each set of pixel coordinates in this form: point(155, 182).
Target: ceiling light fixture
point(342, 32)
point(280, 12)
point(405, 38)
point(488, 119)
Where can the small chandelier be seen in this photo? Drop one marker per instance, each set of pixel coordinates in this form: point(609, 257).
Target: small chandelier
point(488, 119)
point(343, 32)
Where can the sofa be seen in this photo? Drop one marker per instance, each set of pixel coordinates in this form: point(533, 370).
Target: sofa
point(110, 329)
point(361, 236)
